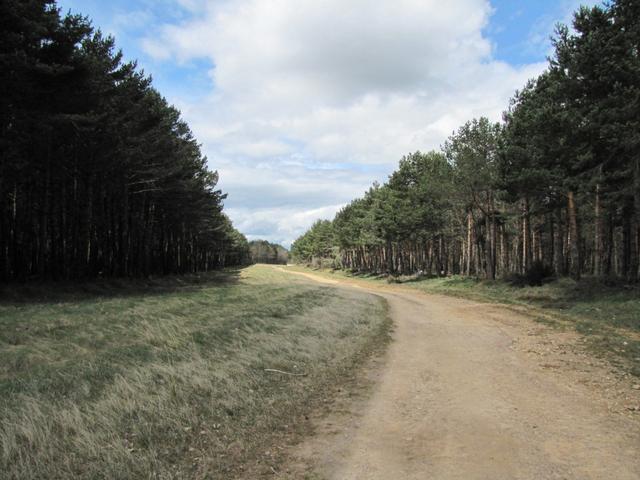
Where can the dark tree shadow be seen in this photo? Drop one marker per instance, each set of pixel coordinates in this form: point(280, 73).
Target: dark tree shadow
point(93, 289)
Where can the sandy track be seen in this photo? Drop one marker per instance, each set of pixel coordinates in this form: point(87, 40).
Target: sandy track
point(459, 395)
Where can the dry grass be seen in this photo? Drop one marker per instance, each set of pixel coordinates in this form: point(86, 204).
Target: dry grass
point(606, 312)
point(166, 379)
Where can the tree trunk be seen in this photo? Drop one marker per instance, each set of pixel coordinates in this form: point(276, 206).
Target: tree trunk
point(489, 249)
point(635, 251)
point(597, 247)
point(504, 254)
point(526, 236)
point(469, 242)
point(574, 239)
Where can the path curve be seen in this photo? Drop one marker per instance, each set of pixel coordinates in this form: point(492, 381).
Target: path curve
point(457, 398)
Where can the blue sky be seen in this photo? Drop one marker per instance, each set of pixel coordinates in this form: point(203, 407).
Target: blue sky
point(130, 21)
point(300, 105)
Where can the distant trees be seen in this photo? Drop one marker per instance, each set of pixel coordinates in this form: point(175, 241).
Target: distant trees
point(556, 185)
point(98, 174)
point(317, 244)
point(262, 251)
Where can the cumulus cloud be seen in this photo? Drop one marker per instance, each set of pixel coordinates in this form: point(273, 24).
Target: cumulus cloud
point(311, 101)
point(277, 224)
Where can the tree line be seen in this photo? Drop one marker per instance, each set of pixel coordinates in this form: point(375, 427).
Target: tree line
point(263, 251)
point(99, 175)
point(554, 187)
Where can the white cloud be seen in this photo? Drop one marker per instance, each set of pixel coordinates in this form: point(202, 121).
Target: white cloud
point(298, 84)
point(278, 224)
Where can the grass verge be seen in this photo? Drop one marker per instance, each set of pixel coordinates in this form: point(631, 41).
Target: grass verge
point(166, 378)
point(606, 314)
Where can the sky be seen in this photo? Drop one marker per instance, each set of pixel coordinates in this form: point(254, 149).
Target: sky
point(301, 104)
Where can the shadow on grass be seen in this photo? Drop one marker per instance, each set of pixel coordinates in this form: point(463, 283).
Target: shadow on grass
point(78, 290)
point(614, 303)
point(370, 276)
point(422, 278)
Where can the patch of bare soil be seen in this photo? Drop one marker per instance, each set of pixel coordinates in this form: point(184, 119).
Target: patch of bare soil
point(475, 391)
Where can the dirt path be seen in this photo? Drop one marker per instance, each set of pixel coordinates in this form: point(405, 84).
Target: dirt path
point(475, 391)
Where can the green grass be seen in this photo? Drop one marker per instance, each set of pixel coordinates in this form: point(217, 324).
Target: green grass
point(606, 314)
point(166, 378)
